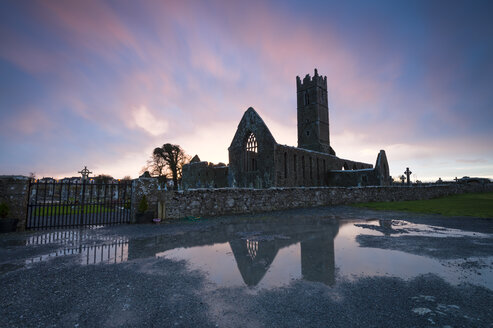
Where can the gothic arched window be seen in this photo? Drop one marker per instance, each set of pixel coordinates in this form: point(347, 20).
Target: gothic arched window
point(251, 143)
point(251, 153)
point(307, 99)
point(252, 247)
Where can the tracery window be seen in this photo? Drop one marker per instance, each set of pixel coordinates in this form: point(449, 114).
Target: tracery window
point(251, 153)
point(252, 247)
point(252, 143)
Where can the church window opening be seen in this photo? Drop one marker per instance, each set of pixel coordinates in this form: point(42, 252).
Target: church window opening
point(294, 167)
point(307, 133)
point(303, 166)
point(252, 143)
point(285, 165)
point(251, 153)
point(307, 98)
point(311, 168)
point(252, 247)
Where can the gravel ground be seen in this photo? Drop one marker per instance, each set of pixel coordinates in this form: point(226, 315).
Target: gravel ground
point(158, 292)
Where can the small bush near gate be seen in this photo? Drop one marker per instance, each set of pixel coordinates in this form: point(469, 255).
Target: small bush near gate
point(143, 205)
point(4, 210)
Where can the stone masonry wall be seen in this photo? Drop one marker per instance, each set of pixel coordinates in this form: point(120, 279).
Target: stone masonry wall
point(212, 202)
point(149, 187)
point(296, 167)
point(14, 191)
point(204, 175)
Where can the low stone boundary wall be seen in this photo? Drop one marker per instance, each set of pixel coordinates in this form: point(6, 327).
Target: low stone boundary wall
point(212, 202)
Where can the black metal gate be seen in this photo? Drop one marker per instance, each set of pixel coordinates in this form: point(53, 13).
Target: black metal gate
point(57, 204)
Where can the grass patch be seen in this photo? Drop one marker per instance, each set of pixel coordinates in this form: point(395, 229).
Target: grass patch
point(477, 205)
point(70, 209)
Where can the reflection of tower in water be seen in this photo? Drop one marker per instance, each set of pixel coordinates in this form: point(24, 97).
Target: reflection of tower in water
point(317, 259)
point(254, 256)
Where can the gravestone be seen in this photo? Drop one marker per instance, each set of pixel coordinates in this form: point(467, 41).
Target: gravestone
point(408, 173)
point(85, 173)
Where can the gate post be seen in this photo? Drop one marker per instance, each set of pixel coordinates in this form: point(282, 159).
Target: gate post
point(14, 191)
point(82, 217)
point(144, 187)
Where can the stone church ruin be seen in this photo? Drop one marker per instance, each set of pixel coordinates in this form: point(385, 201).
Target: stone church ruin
point(256, 160)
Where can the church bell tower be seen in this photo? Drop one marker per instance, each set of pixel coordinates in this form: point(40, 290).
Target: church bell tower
point(313, 114)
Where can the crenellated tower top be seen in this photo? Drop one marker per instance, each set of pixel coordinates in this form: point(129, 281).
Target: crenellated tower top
point(309, 82)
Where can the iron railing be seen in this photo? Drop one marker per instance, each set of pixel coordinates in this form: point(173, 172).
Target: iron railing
point(68, 204)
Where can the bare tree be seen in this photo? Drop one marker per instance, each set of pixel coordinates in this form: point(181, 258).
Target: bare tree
point(156, 166)
point(168, 160)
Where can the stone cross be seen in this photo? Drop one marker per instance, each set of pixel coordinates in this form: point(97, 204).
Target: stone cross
point(85, 173)
point(403, 178)
point(456, 180)
point(408, 173)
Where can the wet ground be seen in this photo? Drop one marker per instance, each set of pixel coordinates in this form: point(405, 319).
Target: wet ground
point(324, 267)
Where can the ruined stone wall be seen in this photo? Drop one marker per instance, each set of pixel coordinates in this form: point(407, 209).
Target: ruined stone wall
point(212, 202)
point(204, 175)
point(14, 191)
point(263, 175)
point(351, 178)
point(296, 167)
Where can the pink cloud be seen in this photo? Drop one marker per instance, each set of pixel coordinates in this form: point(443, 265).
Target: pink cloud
point(22, 52)
point(90, 24)
point(29, 121)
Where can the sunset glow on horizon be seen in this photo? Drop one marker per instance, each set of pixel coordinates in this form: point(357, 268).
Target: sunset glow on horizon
point(102, 83)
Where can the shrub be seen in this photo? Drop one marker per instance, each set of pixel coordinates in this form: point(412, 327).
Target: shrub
point(4, 210)
point(143, 205)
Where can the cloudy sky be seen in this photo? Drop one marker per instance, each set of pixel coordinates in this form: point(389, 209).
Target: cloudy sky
point(101, 83)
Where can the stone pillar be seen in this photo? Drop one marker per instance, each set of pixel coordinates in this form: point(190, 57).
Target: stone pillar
point(148, 187)
point(14, 191)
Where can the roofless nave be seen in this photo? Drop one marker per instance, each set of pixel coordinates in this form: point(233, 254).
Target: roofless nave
point(256, 160)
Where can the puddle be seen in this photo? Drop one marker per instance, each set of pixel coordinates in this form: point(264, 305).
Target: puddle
point(272, 252)
point(82, 244)
point(330, 253)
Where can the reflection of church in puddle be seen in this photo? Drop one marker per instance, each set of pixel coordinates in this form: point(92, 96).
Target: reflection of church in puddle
point(254, 257)
point(253, 252)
